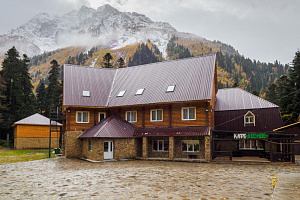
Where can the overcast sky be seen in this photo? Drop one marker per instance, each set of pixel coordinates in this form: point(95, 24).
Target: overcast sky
point(265, 30)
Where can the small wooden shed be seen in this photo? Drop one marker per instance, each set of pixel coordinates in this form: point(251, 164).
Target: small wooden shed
point(33, 133)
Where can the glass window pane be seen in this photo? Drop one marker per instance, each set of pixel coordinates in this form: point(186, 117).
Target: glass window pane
point(184, 113)
point(153, 115)
point(197, 147)
point(105, 146)
point(183, 145)
point(190, 146)
point(247, 144)
point(79, 117)
point(160, 145)
point(155, 145)
point(253, 144)
point(111, 146)
point(159, 115)
point(128, 116)
point(191, 113)
point(101, 116)
point(85, 117)
point(133, 116)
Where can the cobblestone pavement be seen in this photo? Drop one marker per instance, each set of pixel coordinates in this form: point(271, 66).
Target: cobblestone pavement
point(62, 178)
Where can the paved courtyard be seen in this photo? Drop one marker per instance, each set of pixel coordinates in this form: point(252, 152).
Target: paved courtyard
point(62, 178)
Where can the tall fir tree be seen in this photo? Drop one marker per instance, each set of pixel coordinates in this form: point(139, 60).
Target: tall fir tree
point(2, 98)
point(41, 97)
point(284, 94)
point(271, 94)
point(19, 98)
point(54, 90)
point(107, 60)
point(294, 72)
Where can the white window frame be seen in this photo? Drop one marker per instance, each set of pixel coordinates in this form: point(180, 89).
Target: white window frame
point(250, 141)
point(99, 115)
point(188, 108)
point(90, 145)
point(246, 116)
point(80, 122)
point(130, 116)
point(187, 150)
point(162, 115)
point(163, 146)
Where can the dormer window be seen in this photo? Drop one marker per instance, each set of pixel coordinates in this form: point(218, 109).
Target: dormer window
point(249, 119)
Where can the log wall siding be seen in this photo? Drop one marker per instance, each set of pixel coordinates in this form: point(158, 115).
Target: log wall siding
point(33, 131)
point(203, 118)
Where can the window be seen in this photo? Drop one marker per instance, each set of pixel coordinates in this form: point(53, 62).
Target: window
point(189, 113)
point(90, 145)
point(131, 116)
point(161, 145)
point(251, 144)
point(139, 91)
point(171, 88)
point(249, 119)
point(156, 115)
point(190, 145)
point(82, 117)
point(102, 116)
point(121, 93)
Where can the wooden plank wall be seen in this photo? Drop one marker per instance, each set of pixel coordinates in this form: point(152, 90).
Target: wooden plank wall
point(33, 131)
point(203, 117)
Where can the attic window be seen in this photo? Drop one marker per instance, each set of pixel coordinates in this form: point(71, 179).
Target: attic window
point(171, 88)
point(140, 91)
point(86, 93)
point(121, 93)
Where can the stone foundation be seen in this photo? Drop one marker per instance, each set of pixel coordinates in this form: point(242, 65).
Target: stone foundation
point(72, 145)
point(34, 143)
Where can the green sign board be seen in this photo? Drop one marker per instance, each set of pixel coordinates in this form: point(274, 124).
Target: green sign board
point(256, 136)
point(240, 136)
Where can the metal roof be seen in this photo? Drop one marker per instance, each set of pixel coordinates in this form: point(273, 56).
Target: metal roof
point(239, 99)
point(36, 119)
point(174, 131)
point(95, 80)
point(193, 78)
point(111, 127)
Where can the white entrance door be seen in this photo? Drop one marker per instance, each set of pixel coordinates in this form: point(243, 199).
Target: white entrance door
point(108, 150)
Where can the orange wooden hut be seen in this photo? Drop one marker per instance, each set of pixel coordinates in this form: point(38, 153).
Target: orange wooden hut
point(33, 133)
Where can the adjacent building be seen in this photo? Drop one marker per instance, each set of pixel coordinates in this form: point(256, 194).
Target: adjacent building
point(33, 133)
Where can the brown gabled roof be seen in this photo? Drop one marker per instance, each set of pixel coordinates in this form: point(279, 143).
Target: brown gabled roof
point(111, 127)
point(192, 77)
point(36, 119)
point(174, 131)
point(239, 99)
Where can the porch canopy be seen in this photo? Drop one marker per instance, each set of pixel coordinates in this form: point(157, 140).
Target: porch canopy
point(111, 127)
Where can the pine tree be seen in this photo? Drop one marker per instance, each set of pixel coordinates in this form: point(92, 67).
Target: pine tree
point(271, 94)
point(41, 97)
point(54, 89)
point(121, 63)
point(295, 86)
point(106, 60)
point(283, 92)
point(2, 98)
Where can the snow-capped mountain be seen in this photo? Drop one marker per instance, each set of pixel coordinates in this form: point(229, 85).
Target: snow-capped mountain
point(105, 26)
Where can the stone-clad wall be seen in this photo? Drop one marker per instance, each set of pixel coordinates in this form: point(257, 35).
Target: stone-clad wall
point(73, 145)
point(124, 148)
point(34, 143)
point(178, 153)
point(157, 154)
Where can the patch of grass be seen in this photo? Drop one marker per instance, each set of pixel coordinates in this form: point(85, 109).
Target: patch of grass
point(13, 156)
